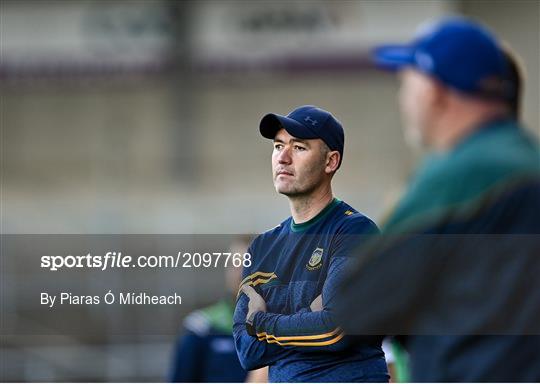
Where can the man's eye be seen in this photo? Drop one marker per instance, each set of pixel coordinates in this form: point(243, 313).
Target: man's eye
point(278, 146)
point(299, 148)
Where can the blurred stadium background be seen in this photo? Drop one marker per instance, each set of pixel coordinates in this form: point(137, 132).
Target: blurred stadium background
point(141, 117)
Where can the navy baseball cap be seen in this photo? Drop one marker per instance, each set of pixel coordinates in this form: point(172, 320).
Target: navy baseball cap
point(306, 122)
point(459, 52)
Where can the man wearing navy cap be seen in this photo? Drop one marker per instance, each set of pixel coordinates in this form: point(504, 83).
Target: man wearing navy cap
point(284, 312)
point(469, 298)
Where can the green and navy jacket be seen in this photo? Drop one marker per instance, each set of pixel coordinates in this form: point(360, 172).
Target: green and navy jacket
point(292, 265)
point(489, 164)
point(458, 262)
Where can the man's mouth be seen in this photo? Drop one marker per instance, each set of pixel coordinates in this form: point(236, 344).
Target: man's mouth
point(284, 173)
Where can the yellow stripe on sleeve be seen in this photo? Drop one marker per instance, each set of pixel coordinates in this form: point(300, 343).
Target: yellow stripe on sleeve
point(305, 337)
point(256, 274)
point(306, 343)
point(271, 276)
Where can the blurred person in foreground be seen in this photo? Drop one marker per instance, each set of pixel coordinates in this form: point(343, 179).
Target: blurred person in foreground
point(284, 312)
point(459, 257)
point(397, 358)
point(205, 352)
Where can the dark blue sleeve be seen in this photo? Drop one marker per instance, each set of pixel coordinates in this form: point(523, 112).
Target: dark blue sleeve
point(308, 331)
point(252, 353)
point(188, 359)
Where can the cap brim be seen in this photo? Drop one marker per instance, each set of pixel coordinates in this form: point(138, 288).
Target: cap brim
point(393, 57)
point(272, 123)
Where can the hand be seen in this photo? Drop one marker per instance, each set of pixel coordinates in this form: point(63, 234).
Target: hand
point(316, 305)
point(256, 302)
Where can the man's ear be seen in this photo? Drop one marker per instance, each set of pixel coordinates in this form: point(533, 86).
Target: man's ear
point(332, 161)
point(438, 94)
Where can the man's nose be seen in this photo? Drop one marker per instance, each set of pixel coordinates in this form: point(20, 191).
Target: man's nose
point(284, 156)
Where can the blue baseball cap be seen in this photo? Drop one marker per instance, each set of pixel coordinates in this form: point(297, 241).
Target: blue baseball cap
point(307, 122)
point(459, 52)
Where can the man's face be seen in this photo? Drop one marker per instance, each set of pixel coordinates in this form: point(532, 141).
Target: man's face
point(415, 101)
point(298, 165)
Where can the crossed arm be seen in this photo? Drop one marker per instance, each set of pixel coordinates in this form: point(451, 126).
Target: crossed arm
point(311, 329)
point(274, 336)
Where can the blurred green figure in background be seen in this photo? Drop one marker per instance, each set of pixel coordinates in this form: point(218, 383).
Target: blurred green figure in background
point(205, 352)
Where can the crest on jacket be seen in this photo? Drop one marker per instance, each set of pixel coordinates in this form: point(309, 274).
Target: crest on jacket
point(315, 261)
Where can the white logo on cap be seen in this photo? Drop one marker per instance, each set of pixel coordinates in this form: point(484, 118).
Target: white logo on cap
point(424, 61)
point(310, 120)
